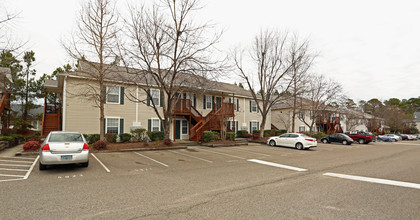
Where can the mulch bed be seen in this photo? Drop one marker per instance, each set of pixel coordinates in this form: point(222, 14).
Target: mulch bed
point(138, 145)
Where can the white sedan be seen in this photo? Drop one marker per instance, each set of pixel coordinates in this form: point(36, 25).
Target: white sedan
point(394, 137)
point(295, 140)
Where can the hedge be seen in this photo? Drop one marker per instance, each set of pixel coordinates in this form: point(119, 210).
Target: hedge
point(241, 133)
point(230, 136)
point(280, 132)
point(256, 131)
point(111, 137)
point(125, 137)
point(208, 136)
point(156, 135)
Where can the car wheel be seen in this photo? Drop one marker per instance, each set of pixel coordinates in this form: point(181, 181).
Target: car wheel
point(361, 141)
point(272, 143)
point(42, 166)
point(299, 146)
point(344, 142)
point(325, 141)
point(85, 164)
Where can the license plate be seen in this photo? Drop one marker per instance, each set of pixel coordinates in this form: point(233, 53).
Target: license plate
point(66, 157)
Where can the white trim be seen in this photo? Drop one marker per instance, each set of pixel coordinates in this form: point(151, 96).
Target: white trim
point(137, 104)
point(250, 128)
point(256, 107)
point(187, 127)
point(211, 101)
point(106, 123)
point(151, 98)
point(151, 123)
point(107, 93)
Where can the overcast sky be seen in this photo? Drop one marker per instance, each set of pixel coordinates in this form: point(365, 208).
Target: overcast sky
point(371, 47)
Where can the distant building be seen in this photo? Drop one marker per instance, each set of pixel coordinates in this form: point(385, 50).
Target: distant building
point(416, 119)
point(33, 115)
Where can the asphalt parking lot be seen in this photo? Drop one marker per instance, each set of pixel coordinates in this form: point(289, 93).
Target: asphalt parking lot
point(330, 181)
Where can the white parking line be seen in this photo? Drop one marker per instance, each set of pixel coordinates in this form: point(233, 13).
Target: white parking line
point(374, 180)
point(406, 143)
point(12, 175)
point(277, 165)
point(11, 180)
point(13, 169)
point(23, 158)
point(151, 159)
point(223, 154)
point(240, 149)
point(15, 165)
point(15, 161)
point(30, 169)
point(198, 158)
point(103, 165)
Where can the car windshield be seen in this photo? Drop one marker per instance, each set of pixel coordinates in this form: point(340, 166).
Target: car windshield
point(66, 137)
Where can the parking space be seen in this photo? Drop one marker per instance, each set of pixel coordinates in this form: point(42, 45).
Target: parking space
point(16, 168)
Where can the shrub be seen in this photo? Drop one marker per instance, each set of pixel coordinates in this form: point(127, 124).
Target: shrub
point(167, 142)
point(125, 137)
point(247, 135)
point(157, 135)
point(86, 137)
point(111, 137)
point(318, 135)
point(99, 145)
point(6, 138)
point(230, 136)
point(280, 132)
point(37, 134)
point(269, 133)
point(255, 135)
point(256, 131)
point(241, 133)
point(31, 145)
point(216, 135)
point(94, 138)
point(140, 135)
point(35, 139)
point(208, 136)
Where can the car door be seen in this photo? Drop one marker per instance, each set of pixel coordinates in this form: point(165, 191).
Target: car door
point(292, 140)
point(282, 140)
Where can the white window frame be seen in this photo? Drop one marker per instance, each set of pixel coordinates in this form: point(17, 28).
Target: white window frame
point(209, 100)
point(252, 126)
point(182, 125)
point(151, 124)
point(302, 128)
point(301, 115)
point(108, 93)
point(118, 124)
point(231, 126)
point(157, 104)
point(254, 105)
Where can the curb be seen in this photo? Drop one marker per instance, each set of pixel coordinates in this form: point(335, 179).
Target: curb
point(223, 145)
point(138, 149)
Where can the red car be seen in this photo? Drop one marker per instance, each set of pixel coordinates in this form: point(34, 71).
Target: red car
point(360, 136)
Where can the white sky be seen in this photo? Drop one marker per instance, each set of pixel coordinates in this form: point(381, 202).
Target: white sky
point(371, 47)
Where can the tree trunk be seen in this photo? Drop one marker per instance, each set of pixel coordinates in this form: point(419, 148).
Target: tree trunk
point(262, 126)
point(102, 112)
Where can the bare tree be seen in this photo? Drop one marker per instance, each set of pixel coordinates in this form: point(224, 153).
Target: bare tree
point(7, 20)
point(321, 93)
point(93, 44)
point(171, 52)
point(274, 55)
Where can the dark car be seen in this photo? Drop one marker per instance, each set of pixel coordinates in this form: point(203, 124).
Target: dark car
point(337, 137)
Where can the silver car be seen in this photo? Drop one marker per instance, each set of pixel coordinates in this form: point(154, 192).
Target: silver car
point(61, 147)
point(296, 140)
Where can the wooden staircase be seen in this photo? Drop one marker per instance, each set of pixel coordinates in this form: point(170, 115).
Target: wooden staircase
point(5, 111)
point(51, 118)
point(210, 122)
point(328, 127)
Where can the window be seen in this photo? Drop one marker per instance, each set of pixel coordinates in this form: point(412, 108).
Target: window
point(112, 125)
point(208, 102)
point(254, 125)
point(184, 126)
point(301, 128)
point(254, 107)
point(155, 93)
point(301, 115)
point(155, 125)
point(113, 94)
point(235, 102)
point(311, 115)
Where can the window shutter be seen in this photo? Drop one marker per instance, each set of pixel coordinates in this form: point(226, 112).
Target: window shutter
point(204, 102)
point(230, 100)
point(122, 96)
point(250, 105)
point(121, 125)
point(228, 124)
point(148, 97)
point(212, 102)
point(104, 92)
point(161, 98)
point(104, 125)
point(258, 125)
point(149, 124)
point(237, 105)
point(236, 126)
point(258, 109)
point(195, 101)
point(250, 127)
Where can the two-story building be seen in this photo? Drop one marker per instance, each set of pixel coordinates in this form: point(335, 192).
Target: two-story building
point(198, 107)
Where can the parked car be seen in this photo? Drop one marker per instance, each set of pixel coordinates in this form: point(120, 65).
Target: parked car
point(337, 137)
point(384, 138)
point(394, 137)
point(296, 140)
point(403, 136)
point(360, 136)
point(63, 148)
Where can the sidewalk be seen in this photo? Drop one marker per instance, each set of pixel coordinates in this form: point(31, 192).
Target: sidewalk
point(11, 151)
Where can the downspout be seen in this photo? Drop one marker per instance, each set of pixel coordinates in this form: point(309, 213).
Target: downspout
point(64, 104)
point(137, 104)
